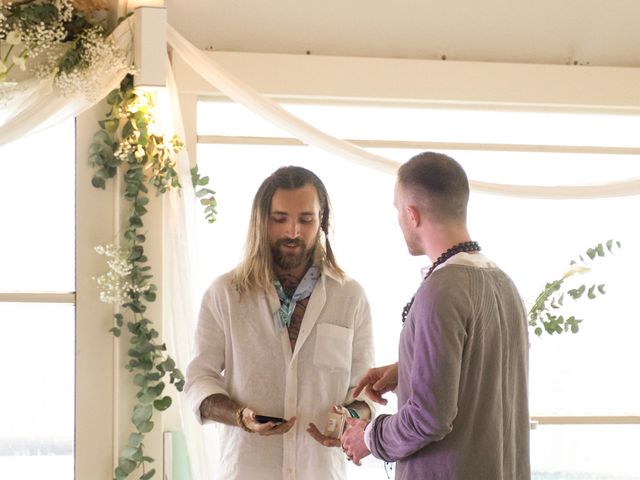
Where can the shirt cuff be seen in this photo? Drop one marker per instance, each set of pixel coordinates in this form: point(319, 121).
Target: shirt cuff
point(367, 434)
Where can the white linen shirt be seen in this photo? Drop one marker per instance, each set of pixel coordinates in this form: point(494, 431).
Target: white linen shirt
point(239, 352)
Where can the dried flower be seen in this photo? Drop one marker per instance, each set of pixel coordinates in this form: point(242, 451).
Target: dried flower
point(576, 268)
point(13, 37)
point(116, 285)
point(20, 61)
point(100, 58)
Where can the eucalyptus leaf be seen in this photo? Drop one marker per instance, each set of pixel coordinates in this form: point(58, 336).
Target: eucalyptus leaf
point(162, 404)
point(141, 414)
point(146, 427)
point(98, 182)
point(135, 439)
point(126, 465)
point(148, 475)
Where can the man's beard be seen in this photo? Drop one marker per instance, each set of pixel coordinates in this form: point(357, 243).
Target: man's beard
point(291, 260)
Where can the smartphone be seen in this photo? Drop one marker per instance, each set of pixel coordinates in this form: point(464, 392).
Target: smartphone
point(266, 418)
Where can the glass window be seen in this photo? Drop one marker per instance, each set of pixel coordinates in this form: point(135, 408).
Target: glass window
point(589, 373)
point(37, 340)
point(37, 245)
point(37, 405)
point(465, 125)
point(585, 452)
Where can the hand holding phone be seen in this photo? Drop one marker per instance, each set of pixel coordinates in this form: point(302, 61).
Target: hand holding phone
point(266, 419)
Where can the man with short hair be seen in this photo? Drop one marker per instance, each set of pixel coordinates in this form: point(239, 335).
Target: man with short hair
point(285, 334)
point(461, 376)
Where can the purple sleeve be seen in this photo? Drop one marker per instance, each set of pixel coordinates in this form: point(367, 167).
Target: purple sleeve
point(432, 348)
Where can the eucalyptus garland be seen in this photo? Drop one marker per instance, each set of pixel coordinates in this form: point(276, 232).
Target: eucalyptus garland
point(548, 312)
point(127, 142)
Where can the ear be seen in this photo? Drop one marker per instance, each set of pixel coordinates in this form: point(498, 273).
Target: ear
point(414, 215)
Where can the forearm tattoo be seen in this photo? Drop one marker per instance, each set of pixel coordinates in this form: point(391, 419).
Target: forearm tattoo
point(219, 408)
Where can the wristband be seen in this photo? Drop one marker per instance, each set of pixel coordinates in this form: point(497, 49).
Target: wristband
point(240, 420)
point(353, 412)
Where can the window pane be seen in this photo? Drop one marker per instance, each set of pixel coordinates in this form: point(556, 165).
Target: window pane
point(585, 452)
point(37, 245)
point(589, 372)
point(429, 125)
point(37, 407)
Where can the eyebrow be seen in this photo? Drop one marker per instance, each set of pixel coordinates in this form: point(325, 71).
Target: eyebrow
point(302, 214)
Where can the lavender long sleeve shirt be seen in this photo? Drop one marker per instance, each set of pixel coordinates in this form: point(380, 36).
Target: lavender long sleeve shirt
point(462, 380)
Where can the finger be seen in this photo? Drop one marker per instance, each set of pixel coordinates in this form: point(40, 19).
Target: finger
point(375, 396)
point(315, 433)
point(353, 422)
point(320, 438)
point(381, 386)
point(364, 381)
point(286, 426)
point(277, 429)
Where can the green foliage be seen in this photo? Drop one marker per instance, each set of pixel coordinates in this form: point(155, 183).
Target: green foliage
point(125, 142)
point(56, 28)
point(547, 313)
point(206, 195)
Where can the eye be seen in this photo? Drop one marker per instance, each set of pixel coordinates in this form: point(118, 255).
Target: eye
point(279, 218)
point(306, 219)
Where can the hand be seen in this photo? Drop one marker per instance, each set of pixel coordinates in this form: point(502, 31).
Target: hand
point(269, 428)
point(353, 440)
point(320, 437)
point(378, 381)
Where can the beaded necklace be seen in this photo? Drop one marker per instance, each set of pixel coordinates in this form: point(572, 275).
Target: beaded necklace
point(460, 247)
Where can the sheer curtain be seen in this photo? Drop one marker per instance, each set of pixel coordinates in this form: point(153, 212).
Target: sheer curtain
point(181, 306)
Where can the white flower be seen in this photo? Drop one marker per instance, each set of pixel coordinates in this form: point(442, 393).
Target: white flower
point(139, 153)
point(575, 268)
point(14, 38)
point(115, 284)
point(20, 61)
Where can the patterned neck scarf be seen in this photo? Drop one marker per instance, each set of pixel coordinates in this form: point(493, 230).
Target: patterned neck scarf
point(288, 303)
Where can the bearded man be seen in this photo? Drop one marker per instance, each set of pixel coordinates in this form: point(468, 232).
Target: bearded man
point(285, 334)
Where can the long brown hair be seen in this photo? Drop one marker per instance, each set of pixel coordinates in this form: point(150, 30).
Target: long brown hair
point(256, 268)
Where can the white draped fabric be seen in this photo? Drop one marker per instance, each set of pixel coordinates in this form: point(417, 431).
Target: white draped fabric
point(179, 215)
point(37, 105)
point(242, 93)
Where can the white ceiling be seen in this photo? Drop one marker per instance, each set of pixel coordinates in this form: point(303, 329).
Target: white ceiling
point(585, 32)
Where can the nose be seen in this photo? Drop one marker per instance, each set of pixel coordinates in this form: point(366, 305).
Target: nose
point(293, 229)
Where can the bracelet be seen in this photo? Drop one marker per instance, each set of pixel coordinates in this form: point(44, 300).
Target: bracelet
point(240, 420)
point(352, 412)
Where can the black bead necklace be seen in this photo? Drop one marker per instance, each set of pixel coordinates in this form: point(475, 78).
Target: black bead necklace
point(460, 247)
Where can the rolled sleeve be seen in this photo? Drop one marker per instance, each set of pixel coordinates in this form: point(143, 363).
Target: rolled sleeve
point(204, 372)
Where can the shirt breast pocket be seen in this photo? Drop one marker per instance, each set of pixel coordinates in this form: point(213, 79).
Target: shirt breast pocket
point(333, 346)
